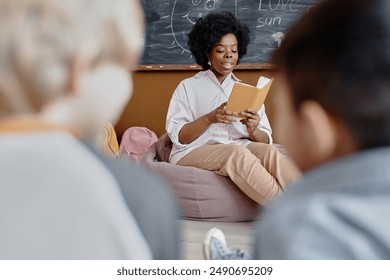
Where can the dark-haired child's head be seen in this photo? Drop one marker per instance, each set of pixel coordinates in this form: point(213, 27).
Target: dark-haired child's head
point(334, 84)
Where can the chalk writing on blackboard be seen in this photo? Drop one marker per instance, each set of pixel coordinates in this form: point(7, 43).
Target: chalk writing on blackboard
point(169, 22)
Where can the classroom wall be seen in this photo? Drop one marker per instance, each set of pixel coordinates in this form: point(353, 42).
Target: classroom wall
point(153, 90)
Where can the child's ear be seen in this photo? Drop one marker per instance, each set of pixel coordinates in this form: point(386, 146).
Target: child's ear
point(321, 128)
point(82, 62)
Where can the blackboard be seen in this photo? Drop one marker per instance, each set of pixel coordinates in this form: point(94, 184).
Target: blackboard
point(168, 23)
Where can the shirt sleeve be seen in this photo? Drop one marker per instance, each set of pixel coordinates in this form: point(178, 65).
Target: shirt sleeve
point(264, 124)
point(178, 114)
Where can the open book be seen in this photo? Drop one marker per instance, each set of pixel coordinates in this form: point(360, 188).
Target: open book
point(244, 96)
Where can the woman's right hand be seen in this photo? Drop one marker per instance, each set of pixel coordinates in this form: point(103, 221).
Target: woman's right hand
point(220, 115)
point(190, 131)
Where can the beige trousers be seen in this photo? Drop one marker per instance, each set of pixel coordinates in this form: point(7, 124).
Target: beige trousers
point(259, 170)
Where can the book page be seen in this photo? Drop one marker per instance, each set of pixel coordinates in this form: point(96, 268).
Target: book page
point(262, 82)
point(244, 96)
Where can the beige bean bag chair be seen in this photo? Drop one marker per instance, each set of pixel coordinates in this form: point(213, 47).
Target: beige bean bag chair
point(202, 195)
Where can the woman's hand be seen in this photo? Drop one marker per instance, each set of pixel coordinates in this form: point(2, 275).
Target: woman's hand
point(194, 129)
point(251, 121)
point(220, 115)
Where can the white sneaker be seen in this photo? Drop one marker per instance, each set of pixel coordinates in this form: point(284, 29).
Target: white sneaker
point(213, 239)
point(215, 247)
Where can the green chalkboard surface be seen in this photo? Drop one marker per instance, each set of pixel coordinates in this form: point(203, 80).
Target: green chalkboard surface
point(168, 23)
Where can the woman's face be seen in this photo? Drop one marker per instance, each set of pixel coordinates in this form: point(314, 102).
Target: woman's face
point(224, 56)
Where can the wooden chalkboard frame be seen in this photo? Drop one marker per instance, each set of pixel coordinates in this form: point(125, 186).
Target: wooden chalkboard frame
point(168, 22)
point(179, 67)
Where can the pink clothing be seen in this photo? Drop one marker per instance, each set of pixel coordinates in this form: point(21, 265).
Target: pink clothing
point(135, 141)
point(196, 96)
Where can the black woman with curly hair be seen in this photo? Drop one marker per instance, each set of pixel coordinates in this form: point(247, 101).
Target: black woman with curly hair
point(207, 136)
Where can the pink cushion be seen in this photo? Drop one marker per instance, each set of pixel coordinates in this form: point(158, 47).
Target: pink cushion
point(202, 194)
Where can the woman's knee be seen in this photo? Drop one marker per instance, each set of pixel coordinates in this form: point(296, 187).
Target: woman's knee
point(236, 148)
point(262, 149)
point(237, 151)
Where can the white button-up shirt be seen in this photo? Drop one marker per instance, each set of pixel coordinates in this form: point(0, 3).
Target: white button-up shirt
point(197, 96)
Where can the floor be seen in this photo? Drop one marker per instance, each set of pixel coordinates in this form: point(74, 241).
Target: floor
point(238, 235)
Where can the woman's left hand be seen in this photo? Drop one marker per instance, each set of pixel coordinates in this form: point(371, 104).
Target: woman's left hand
point(251, 121)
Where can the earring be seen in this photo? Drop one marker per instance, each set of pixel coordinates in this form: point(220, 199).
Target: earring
point(209, 63)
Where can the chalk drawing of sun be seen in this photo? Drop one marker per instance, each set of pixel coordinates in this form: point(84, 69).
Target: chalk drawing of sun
point(184, 15)
point(170, 21)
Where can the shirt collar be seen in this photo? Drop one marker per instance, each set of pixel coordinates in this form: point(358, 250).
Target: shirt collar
point(210, 74)
point(235, 78)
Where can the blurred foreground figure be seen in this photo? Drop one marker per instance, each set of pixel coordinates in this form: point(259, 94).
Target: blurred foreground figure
point(64, 72)
point(334, 119)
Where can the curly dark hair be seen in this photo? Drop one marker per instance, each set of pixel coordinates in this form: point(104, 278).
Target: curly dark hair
point(209, 30)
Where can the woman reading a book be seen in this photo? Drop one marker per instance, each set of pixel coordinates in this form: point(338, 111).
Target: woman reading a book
point(205, 135)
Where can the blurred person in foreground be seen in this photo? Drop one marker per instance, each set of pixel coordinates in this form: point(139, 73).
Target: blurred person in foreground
point(64, 72)
point(334, 119)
